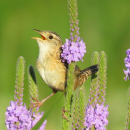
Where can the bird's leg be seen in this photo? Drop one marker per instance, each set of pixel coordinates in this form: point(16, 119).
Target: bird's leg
point(38, 103)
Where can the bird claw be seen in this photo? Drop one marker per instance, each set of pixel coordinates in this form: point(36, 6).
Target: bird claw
point(35, 103)
point(63, 114)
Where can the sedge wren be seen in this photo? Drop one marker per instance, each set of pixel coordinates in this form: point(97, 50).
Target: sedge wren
point(51, 68)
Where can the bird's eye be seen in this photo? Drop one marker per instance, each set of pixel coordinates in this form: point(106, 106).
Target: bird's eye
point(50, 37)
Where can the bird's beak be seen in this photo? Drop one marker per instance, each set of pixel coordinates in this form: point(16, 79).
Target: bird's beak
point(40, 32)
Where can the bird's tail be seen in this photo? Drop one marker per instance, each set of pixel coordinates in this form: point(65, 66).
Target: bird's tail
point(89, 71)
point(83, 75)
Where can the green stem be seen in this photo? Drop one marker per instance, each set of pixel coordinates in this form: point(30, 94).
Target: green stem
point(102, 76)
point(72, 4)
point(20, 70)
point(94, 81)
point(69, 92)
point(128, 111)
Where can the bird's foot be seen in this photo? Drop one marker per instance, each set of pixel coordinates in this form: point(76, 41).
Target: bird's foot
point(35, 103)
point(63, 114)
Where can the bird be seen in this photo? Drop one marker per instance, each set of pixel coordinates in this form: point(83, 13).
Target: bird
point(51, 68)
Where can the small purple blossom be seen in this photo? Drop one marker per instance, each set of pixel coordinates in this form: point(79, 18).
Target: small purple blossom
point(43, 125)
point(127, 65)
point(18, 117)
point(96, 116)
point(73, 51)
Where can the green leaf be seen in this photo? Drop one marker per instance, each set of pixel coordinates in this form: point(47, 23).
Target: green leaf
point(33, 89)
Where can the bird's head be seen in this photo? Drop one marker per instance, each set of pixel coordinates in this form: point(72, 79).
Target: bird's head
point(48, 39)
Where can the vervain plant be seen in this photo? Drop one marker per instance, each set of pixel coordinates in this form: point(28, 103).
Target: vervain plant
point(79, 114)
point(18, 117)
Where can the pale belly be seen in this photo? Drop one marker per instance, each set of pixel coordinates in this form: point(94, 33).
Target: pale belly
point(54, 75)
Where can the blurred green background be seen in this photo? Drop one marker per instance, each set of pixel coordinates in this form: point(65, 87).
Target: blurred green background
point(104, 26)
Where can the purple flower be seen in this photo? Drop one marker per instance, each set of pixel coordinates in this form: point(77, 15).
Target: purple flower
point(43, 125)
point(127, 65)
point(36, 118)
point(96, 116)
point(128, 53)
point(18, 117)
point(73, 51)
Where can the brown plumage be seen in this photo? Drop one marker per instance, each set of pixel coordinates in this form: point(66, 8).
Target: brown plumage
point(50, 66)
point(82, 76)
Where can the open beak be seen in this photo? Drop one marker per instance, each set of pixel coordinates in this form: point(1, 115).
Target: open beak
point(40, 32)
